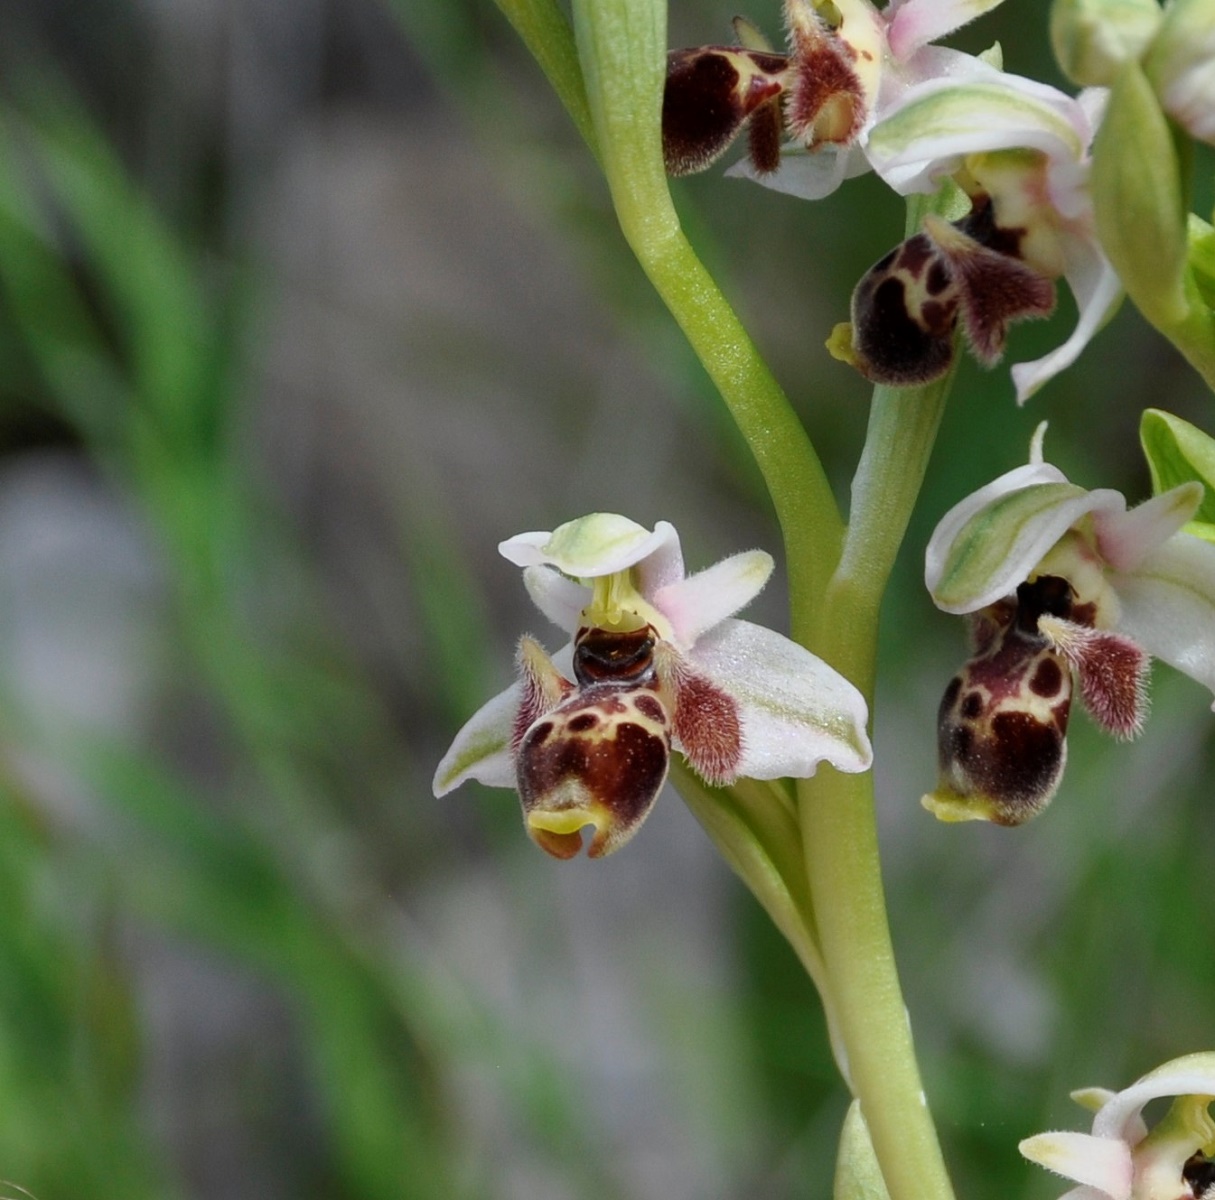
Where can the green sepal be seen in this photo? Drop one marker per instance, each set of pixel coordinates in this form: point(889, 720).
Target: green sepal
point(1137, 195)
point(857, 1174)
point(1178, 452)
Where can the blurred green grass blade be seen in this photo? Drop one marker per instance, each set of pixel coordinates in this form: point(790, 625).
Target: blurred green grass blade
point(69, 1120)
point(159, 304)
point(67, 343)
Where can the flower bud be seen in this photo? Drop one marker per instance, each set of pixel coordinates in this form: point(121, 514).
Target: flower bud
point(1093, 38)
point(1181, 66)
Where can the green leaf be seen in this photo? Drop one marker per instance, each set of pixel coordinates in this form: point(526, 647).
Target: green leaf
point(1178, 452)
point(857, 1174)
point(1202, 258)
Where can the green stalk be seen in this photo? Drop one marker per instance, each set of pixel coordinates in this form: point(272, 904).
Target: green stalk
point(622, 46)
point(838, 824)
point(836, 584)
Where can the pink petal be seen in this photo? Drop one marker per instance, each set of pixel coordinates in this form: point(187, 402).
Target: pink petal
point(915, 23)
point(694, 605)
point(1125, 539)
point(1100, 1162)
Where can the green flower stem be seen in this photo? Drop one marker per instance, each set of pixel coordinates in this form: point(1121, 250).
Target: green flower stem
point(622, 46)
point(838, 823)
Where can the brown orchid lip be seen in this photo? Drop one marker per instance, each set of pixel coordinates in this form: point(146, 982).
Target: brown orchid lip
point(711, 93)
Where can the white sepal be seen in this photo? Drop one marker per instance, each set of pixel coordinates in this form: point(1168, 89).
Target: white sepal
point(481, 750)
point(558, 597)
point(939, 122)
point(1168, 606)
point(599, 544)
point(796, 710)
point(1097, 290)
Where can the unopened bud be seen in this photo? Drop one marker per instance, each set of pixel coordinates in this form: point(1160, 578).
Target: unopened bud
point(1093, 38)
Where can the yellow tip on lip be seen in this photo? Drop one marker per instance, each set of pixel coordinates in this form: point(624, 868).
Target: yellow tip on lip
point(952, 807)
point(564, 820)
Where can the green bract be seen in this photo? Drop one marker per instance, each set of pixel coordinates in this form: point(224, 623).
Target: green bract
point(1137, 195)
point(857, 1174)
point(1178, 452)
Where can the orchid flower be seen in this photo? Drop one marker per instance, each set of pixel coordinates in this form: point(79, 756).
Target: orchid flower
point(1019, 150)
point(1121, 1159)
point(848, 64)
point(655, 662)
point(1058, 582)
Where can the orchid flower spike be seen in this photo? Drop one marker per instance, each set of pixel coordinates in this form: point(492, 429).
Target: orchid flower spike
point(655, 663)
point(1019, 151)
point(1060, 584)
point(847, 64)
point(1121, 1159)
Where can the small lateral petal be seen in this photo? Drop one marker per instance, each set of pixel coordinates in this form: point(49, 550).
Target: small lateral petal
point(1113, 673)
point(1125, 539)
point(697, 603)
point(1100, 1162)
point(915, 23)
point(996, 289)
point(708, 729)
point(795, 710)
point(543, 687)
